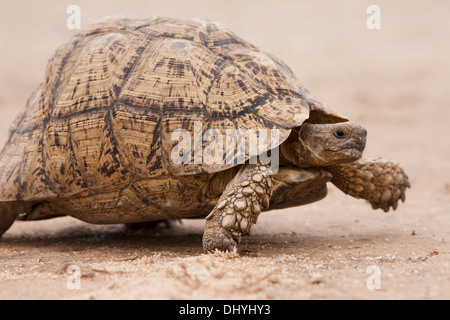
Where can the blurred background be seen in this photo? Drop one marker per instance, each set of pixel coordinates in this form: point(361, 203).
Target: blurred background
point(395, 81)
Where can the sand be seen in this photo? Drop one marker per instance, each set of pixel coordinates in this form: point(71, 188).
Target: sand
point(394, 81)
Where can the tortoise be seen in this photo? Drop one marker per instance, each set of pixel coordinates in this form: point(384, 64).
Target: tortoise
point(99, 140)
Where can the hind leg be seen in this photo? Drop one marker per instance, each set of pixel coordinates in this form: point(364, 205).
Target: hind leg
point(9, 211)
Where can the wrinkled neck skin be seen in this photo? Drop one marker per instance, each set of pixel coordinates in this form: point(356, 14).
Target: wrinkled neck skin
point(317, 145)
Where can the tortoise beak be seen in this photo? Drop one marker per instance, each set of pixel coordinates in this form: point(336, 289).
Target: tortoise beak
point(356, 146)
point(360, 139)
point(356, 142)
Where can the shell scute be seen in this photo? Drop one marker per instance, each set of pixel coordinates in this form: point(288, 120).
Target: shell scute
point(113, 96)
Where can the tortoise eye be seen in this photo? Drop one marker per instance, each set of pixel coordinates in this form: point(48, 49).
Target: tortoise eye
point(340, 133)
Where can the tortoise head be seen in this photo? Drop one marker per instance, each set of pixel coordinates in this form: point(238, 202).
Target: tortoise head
point(325, 144)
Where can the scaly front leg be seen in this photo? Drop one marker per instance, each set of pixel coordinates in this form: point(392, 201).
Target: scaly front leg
point(382, 182)
point(238, 208)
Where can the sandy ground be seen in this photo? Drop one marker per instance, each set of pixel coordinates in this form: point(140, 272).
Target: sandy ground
point(394, 81)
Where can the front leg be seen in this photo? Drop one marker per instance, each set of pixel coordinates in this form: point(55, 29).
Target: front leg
point(382, 182)
point(238, 208)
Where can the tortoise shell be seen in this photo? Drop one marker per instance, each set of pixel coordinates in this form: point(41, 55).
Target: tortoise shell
point(113, 95)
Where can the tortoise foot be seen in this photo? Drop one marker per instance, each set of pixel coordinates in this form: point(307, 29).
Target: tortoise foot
point(219, 239)
point(238, 208)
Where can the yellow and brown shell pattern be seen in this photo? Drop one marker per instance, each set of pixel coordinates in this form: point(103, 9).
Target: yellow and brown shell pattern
point(100, 124)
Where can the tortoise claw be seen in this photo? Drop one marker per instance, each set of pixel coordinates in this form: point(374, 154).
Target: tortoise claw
point(387, 195)
point(395, 205)
point(219, 239)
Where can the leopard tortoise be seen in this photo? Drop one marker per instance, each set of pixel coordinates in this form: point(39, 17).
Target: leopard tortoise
point(99, 140)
